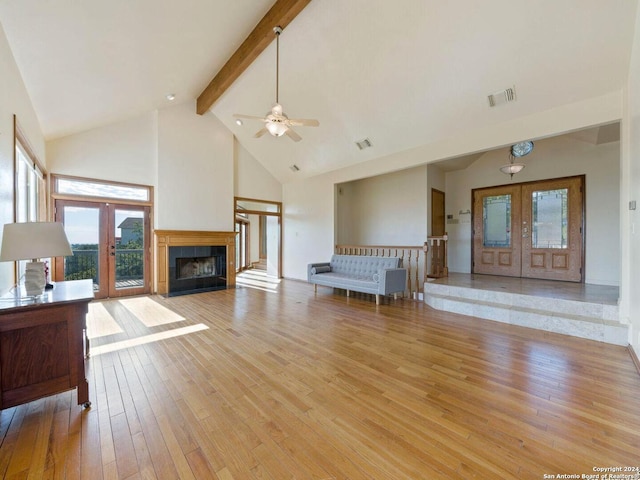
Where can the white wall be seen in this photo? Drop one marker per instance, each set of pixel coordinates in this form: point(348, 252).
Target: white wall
point(308, 218)
point(551, 158)
point(630, 219)
point(384, 210)
point(195, 171)
point(188, 158)
point(14, 100)
point(126, 151)
point(252, 180)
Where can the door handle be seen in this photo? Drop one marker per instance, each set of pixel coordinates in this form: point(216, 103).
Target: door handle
point(525, 236)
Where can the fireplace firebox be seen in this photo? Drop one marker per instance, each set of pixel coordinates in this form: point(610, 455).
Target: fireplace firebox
point(194, 269)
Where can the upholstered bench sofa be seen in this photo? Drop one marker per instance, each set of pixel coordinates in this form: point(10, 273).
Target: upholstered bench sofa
point(359, 273)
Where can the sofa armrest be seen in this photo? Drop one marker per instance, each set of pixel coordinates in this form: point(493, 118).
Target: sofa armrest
point(392, 280)
point(313, 266)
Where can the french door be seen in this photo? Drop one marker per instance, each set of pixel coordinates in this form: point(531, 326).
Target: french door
point(110, 244)
point(533, 230)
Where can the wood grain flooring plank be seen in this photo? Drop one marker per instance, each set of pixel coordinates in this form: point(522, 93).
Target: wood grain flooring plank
point(294, 384)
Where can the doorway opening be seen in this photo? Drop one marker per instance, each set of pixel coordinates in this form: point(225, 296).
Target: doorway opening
point(258, 228)
point(437, 212)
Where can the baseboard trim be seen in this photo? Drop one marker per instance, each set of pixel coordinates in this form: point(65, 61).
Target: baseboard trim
point(634, 357)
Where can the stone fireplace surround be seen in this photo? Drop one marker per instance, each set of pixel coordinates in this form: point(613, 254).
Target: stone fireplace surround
point(191, 238)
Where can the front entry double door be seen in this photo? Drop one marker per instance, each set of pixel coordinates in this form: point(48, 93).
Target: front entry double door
point(533, 230)
point(110, 244)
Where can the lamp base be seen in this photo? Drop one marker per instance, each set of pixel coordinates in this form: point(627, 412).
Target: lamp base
point(34, 279)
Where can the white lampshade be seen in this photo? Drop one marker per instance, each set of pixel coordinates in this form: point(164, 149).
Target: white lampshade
point(511, 168)
point(32, 240)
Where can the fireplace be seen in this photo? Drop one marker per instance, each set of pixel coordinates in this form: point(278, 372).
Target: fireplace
point(194, 269)
point(194, 261)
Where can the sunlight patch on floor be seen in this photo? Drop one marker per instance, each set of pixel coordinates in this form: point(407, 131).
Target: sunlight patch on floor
point(100, 323)
point(257, 279)
point(149, 312)
point(154, 337)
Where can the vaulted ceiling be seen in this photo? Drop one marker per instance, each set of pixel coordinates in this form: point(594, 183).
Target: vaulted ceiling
point(403, 74)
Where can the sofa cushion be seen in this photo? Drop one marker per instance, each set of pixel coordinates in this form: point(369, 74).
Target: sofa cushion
point(321, 269)
point(362, 266)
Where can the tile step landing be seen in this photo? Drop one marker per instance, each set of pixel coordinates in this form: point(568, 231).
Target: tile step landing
point(593, 321)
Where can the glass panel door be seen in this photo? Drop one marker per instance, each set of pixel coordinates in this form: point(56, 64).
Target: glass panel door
point(552, 226)
point(128, 244)
point(82, 222)
point(533, 230)
point(549, 218)
point(110, 245)
point(496, 231)
point(496, 213)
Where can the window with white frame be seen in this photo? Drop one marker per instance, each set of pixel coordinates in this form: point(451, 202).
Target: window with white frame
point(30, 188)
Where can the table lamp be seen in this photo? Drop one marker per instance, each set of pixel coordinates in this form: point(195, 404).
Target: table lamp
point(31, 241)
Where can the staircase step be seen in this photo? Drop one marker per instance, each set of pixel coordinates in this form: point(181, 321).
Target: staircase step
point(589, 320)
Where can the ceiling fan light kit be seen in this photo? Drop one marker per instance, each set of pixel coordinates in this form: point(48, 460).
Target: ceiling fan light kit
point(276, 122)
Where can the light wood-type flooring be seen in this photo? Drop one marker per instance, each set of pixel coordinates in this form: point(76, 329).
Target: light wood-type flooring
point(277, 383)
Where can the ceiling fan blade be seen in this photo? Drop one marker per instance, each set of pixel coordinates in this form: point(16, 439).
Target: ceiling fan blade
point(304, 122)
point(253, 117)
point(293, 135)
point(260, 132)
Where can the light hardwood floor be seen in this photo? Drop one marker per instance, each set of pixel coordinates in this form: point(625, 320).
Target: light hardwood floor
point(285, 384)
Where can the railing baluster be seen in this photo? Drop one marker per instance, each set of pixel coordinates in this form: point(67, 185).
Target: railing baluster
point(418, 270)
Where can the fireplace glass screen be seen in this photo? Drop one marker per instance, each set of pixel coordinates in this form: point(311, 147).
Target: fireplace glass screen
point(195, 267)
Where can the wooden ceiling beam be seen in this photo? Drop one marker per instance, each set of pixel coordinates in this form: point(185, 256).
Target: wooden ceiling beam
point(280, 14)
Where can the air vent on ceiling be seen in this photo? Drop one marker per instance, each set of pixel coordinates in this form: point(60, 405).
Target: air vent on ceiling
point(294, 168)
point(362, 144)
point(501, 97)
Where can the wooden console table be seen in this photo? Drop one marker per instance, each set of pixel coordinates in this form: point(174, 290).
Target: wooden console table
point(43, 344)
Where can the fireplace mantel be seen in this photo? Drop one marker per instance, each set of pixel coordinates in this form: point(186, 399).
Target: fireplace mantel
point(183, 238)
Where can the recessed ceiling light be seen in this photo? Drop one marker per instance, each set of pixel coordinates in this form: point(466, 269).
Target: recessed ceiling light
point(171, 97)
point(238, 122)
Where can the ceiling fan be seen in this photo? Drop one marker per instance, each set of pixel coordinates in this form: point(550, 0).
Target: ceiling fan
point(276, 122)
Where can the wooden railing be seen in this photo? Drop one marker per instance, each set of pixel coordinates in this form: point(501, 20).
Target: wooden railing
point(438, 258)
point(414, 259)
point(426, 261)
